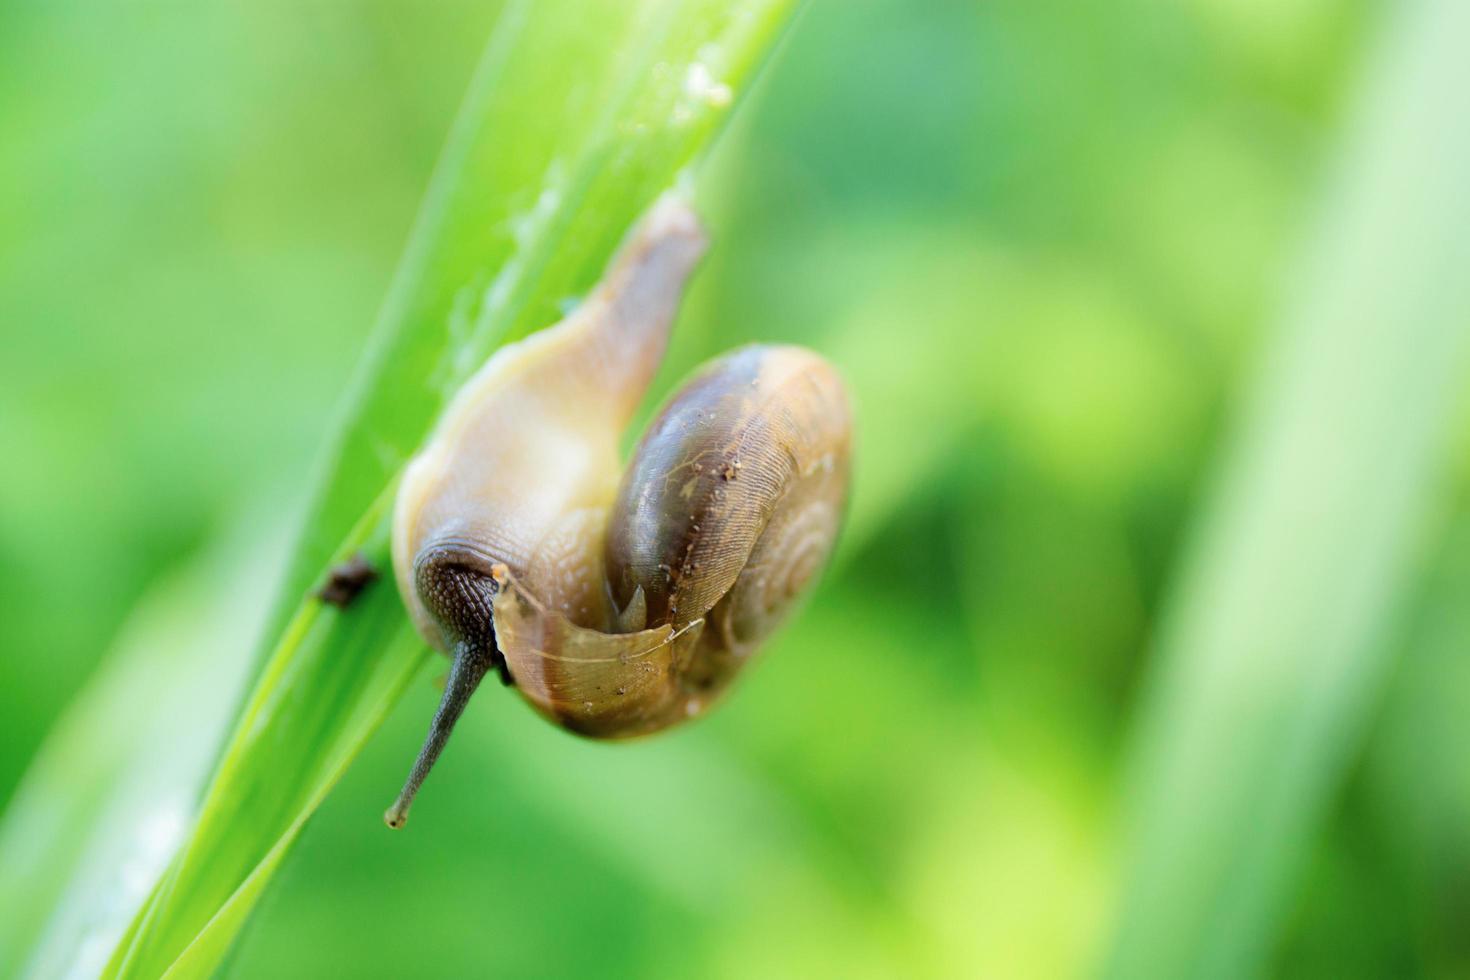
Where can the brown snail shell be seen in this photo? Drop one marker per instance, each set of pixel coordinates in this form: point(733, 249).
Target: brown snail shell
point(619, 601)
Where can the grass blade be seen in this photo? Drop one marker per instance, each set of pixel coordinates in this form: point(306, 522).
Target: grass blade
point(578, 117)
point(1273, 650)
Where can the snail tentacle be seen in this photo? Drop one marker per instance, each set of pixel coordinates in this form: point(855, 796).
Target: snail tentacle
point(468, 666)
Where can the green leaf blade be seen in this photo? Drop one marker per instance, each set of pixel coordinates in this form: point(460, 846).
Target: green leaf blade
point(579, 116)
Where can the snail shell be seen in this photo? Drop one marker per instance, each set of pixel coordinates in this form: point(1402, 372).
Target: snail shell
point(618, 600)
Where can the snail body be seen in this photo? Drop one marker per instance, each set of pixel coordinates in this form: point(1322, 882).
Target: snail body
point(618, 600)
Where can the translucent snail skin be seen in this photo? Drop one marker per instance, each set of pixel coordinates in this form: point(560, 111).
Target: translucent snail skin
point(618, 599)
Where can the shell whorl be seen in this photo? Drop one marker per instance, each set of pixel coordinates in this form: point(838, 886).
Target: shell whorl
point(779, 573)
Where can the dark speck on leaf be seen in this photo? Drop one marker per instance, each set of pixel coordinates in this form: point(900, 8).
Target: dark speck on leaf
point(346, 582)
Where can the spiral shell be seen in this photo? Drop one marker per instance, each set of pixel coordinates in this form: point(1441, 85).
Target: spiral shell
point(730, 506)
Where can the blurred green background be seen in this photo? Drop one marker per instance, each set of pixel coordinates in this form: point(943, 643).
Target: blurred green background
point(1046, 242)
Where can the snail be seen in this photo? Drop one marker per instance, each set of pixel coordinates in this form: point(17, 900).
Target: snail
point(618, 600)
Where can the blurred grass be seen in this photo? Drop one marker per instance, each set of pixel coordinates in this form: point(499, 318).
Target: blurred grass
point(109, 798)
point(1043, 240)
point(1276, 644)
